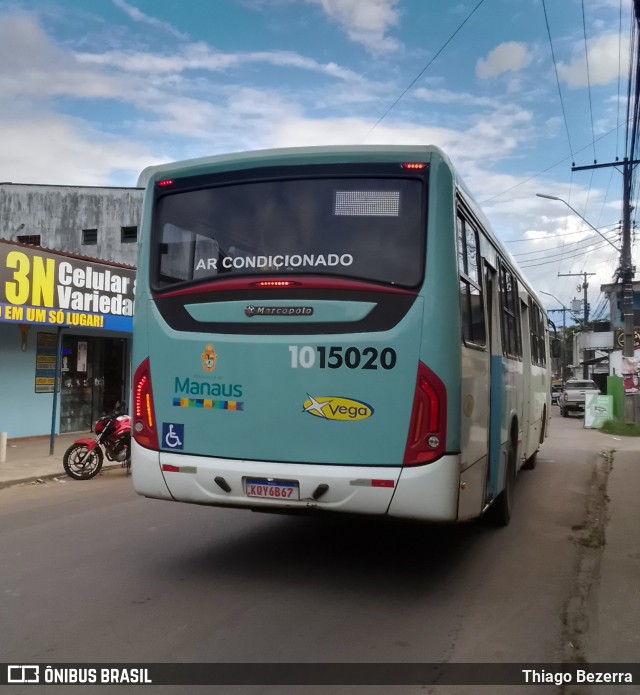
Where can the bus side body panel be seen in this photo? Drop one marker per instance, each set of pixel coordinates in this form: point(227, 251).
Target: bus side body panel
point(474, 399)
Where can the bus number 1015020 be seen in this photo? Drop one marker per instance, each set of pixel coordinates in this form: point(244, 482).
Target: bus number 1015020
point(335, 357)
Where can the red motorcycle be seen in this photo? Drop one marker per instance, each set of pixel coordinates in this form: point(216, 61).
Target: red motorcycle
point(84, 458)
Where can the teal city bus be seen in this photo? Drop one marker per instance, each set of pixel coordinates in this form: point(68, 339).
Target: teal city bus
point(332, 329)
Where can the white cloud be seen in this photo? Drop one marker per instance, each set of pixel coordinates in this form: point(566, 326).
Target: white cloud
point(507, 57)
point(446, 96)
point(608, 58)
point(32, 67)
point(365, 21)
point(139, 16)
point(611, 4)
point(199, 56)
point(36, 71)
point(490, 138)
point(62, 150)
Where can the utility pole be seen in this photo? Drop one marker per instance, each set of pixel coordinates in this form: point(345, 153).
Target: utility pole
point(585, 314)
point(627, 271)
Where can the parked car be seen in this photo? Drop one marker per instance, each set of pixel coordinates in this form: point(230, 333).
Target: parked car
point(574, 394)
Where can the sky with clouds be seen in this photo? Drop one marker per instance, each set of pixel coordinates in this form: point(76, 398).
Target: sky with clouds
point(95, 91)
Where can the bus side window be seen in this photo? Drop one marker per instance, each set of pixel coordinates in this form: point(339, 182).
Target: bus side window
point(471, 302)
point(511, 336)
point(538, 349)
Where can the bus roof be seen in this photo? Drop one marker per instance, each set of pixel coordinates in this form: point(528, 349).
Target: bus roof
point(291, 155)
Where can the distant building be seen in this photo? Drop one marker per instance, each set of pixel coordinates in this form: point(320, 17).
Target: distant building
point(599, 349)
point(99, 222)
point(613, 293)
point(67, 273)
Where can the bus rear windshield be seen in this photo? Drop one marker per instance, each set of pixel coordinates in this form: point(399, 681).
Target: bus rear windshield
point(369, 229)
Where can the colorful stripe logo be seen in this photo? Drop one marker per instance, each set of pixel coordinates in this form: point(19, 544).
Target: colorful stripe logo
point(207, 404)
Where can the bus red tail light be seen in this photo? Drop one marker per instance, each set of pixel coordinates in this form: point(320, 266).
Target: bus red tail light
point(275, 284)
point(428, 428)
point(145, 431)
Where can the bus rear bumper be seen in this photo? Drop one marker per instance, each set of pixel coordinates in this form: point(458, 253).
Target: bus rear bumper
point(146, 473)
point(428, 493)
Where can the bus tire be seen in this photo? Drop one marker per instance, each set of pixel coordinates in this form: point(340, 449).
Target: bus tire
point(532, 461)
point(501, 508)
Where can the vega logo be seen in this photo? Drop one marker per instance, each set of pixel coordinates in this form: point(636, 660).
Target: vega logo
point(337, 408)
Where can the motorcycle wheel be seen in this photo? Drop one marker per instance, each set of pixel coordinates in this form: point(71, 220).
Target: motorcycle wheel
point(126, 464)
point(75, 467)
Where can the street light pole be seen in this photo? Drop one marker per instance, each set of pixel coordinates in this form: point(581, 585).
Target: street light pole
point(625, 267)
point(626, 264)
point(563, 310)
point(553, 197)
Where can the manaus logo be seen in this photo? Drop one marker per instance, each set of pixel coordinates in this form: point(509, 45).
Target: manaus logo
point(337, 408)
point(209, 359)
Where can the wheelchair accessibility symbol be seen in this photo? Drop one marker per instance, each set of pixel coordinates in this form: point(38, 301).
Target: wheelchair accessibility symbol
point(172, 435)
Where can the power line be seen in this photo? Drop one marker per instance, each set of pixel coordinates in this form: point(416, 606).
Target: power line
point(561, 257)
point(553, 166)
point(421, 73)
point(585, 244)
point(586, 57)
point(580, 231)
point(619, 72)
point(555, 67)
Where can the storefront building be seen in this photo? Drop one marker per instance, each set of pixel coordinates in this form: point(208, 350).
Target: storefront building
point(63, 314)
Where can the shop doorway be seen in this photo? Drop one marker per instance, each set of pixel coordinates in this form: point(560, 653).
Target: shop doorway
point(93, 380)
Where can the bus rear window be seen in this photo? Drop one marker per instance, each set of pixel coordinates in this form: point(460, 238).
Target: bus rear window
point(370, 229)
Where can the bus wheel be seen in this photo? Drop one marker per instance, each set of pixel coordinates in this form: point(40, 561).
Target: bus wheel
point(501, 508)
point(531, 462)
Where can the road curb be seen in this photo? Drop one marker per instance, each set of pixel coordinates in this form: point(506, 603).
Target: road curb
point(47, 477)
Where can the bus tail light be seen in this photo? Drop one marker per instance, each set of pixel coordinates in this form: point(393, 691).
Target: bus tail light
point(145, 431)
point(277, 284)
point(428, 428)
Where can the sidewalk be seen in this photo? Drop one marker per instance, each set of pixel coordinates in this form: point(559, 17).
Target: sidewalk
point(28, 459)
point(614, 633)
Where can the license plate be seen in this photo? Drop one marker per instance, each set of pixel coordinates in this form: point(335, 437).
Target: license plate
point(273, 489)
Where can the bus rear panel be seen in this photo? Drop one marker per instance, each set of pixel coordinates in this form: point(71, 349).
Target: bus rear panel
point(282, 339)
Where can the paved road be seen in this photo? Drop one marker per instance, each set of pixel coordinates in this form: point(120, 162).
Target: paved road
point(92, 572)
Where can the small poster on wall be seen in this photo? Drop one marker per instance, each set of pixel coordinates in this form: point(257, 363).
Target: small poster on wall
point(631, 374)
point(82, 356)
point(45, 362)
